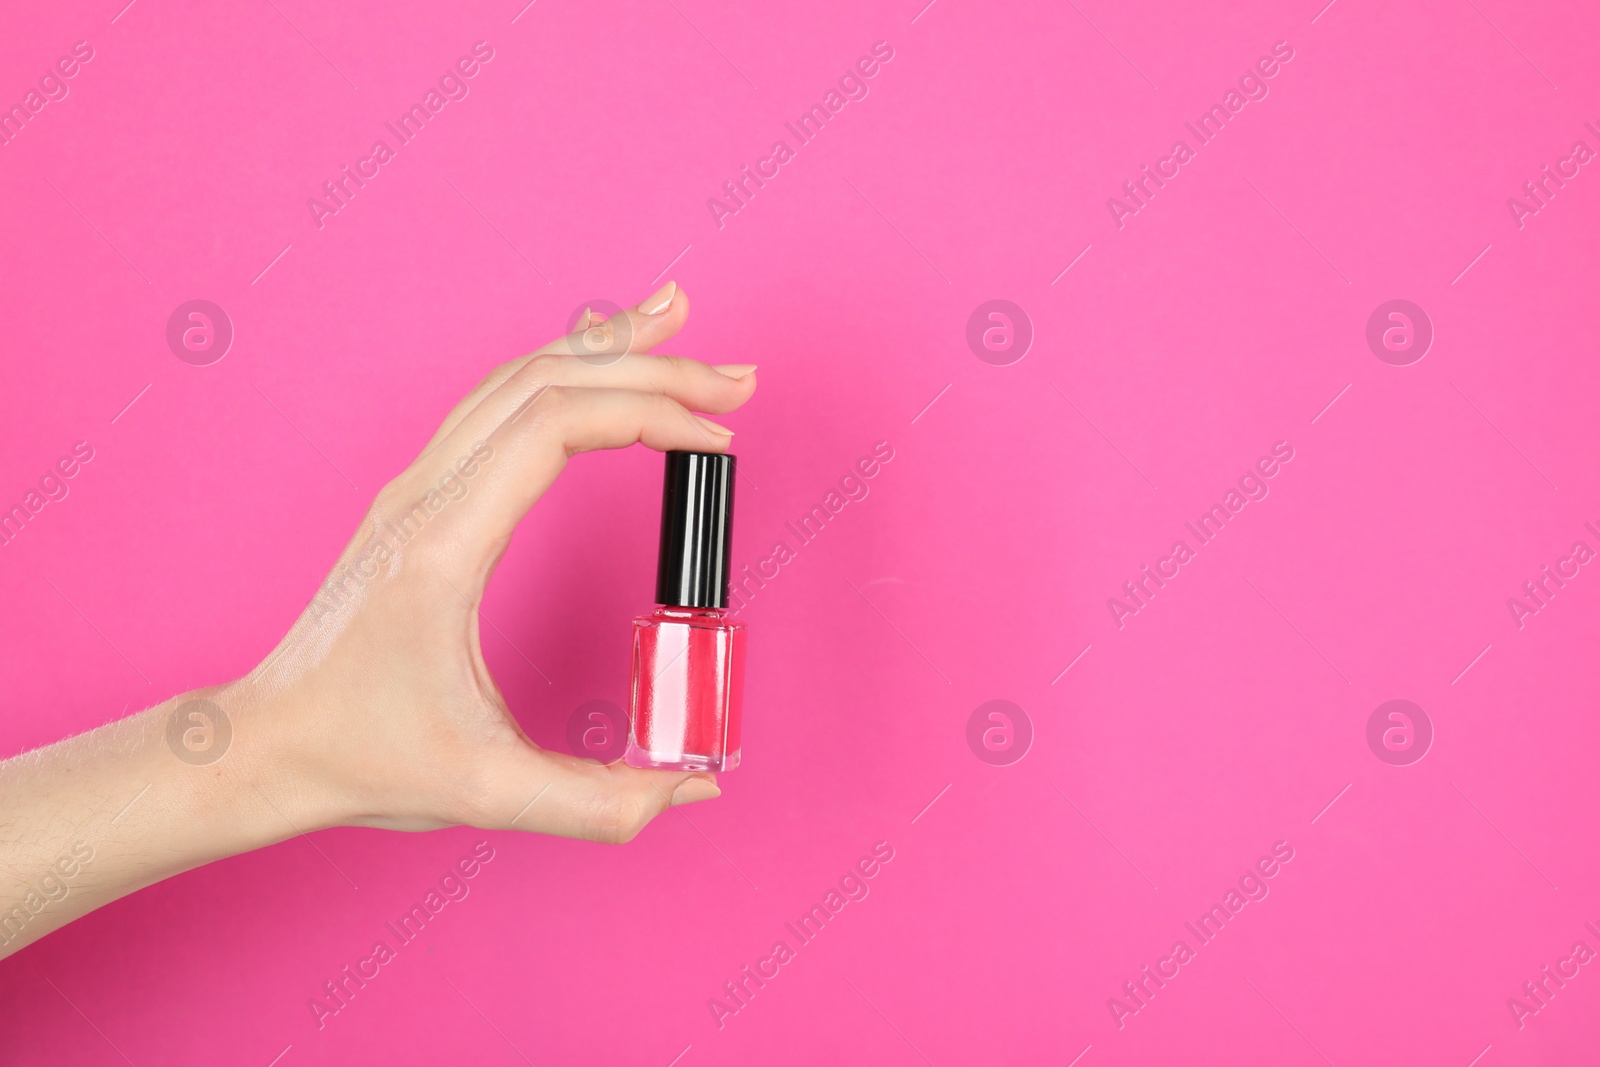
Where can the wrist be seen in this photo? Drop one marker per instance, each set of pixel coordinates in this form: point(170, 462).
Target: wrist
point(231, 762)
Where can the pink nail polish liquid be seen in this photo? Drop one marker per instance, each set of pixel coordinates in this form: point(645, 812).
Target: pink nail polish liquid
point(688, 654)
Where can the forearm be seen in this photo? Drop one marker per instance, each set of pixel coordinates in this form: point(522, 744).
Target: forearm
point(95, 817)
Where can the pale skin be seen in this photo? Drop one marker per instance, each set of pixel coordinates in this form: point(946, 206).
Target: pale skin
point(377, 708)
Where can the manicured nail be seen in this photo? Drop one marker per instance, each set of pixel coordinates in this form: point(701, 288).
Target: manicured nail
point(660, 300)
point(713, 427)
point(691, 790)
point(583, 321)
point(735, 370)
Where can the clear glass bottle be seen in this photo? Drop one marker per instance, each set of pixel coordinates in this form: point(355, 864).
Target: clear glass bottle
point(688, 688)
point(688, 654)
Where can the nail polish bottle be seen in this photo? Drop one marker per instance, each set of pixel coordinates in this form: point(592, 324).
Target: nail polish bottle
point(688, 654)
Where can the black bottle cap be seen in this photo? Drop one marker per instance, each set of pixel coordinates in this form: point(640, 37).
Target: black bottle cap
point(696, 530)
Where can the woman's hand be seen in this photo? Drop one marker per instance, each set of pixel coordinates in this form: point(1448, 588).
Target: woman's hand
point(381, 691)
point(377, 708)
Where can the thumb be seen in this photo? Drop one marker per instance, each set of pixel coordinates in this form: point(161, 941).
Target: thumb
point(552, 793)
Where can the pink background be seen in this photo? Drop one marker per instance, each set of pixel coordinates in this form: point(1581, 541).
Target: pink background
point(1223, 317)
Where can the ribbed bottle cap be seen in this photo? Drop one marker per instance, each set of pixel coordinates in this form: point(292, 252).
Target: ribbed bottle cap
point(696, 530)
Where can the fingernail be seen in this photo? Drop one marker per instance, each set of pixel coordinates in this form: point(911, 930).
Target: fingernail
point(735, 370)
point(694, 789)
point(713, 427)
point(660, 300)
point(583, 321)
